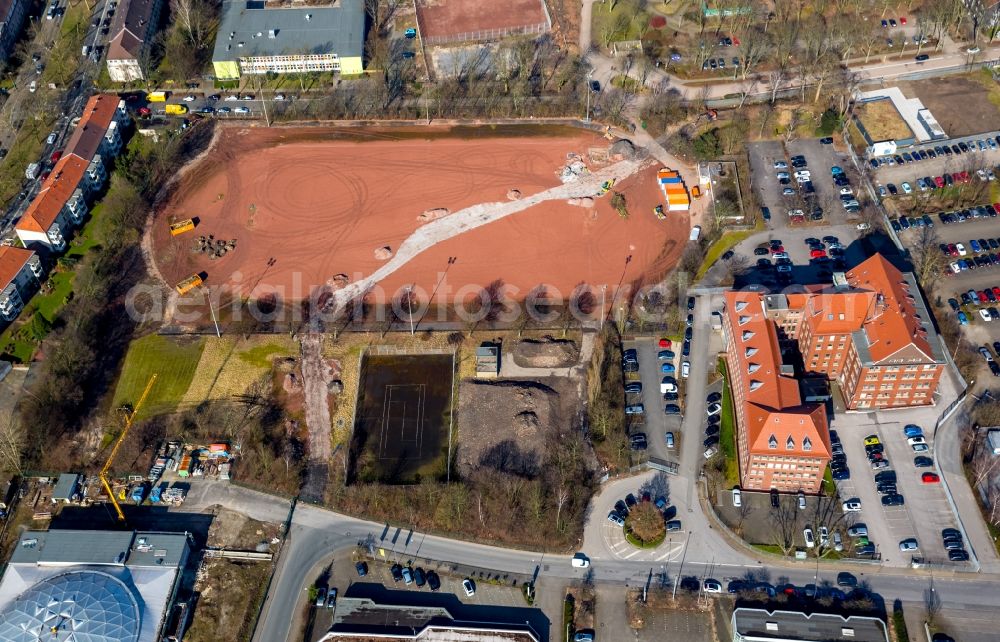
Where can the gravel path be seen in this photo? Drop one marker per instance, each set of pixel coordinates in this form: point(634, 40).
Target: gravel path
point(476, 216)
point(315, 377)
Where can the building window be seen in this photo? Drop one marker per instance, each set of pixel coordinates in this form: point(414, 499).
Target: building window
point(790, 443)
point(807, 444)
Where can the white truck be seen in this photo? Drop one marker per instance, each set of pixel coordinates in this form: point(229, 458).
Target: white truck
point(32, 171)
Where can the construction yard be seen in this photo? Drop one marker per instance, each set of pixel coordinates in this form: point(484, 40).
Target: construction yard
point(460, 208)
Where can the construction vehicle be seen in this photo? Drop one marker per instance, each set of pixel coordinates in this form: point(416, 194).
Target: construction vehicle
point(129, 419)
point(181, 226)
point(696, 191)
point(157, 96)
point(188, 284)
point(176, 110)
point(658, 212)
point(606, 186)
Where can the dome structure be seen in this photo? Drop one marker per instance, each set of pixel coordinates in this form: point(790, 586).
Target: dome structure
point(78, 606)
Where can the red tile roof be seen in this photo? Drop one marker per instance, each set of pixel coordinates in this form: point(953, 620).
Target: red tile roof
point(832, 312)
point(892, 325)
point(97, 116)
point(12, 260)
point(55, 192)
point(773, 403)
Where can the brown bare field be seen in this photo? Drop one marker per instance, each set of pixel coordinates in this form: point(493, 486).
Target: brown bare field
point(443, 18)
point(306, 204)
point(963, 105)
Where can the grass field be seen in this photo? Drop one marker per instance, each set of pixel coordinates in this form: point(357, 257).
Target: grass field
point(229, 365)
point(174, 361)
point(726, 242)
point(727, 432)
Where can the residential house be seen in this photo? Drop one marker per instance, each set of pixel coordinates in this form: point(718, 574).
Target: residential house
point(134, 28)
point(20, 272)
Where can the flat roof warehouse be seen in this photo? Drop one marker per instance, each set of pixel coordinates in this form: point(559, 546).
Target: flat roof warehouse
point(252, 29)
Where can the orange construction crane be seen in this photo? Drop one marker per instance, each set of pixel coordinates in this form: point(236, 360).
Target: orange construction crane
point(129, 418)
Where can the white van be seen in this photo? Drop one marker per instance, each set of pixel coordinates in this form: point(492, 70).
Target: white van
point(695, 233)
point(737, 497)
point(580, 561)
point(85, 51)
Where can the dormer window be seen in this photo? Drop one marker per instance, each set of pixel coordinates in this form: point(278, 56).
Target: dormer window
point(741, 305)
point(790, 444)
point(807, 444)
point(753, 367)
point(750, 352)
point(772, 442)
point(747, 335)
point(744, 319)
point(754, 384)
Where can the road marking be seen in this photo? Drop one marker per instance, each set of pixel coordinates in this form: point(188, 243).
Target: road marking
point(631, 554)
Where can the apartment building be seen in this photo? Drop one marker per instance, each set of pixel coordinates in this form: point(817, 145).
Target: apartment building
point(255, 38)
point(782, 443)
point(20, 272)
point(12, 15)
point(134, 28)
point(61, 203)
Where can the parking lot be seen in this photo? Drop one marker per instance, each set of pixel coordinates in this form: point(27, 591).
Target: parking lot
point(654, 422)
point(941, 163)
point(819, 161)
point(925, 512)
point(978, 278)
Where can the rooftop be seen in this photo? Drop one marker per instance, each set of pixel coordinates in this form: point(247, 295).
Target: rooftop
point(882, 120)
point(130, 26)
point(899, 328)
point(66, 486)
point(759, 624)
point(12, 261)
point(250, 29)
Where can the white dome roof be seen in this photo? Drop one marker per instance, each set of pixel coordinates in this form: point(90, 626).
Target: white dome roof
point(78, 606)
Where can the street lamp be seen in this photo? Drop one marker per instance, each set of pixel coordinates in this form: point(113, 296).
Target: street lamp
point(590, 74)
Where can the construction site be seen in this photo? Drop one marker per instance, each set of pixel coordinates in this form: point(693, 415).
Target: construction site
point(529, 206)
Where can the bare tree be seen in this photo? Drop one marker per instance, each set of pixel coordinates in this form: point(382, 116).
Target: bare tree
point(928, 262)
point(11, 444)
point(932, 604)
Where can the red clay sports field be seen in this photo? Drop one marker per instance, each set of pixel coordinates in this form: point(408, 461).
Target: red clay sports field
point(318, 202)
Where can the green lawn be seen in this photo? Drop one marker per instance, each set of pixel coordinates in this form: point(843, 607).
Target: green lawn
point(726, 242)
point(624, 23)
point(263, 355)
point(174, 361)
point(727, 432)
point(49, 303)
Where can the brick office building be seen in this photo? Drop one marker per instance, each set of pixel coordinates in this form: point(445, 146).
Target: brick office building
point(870, 331)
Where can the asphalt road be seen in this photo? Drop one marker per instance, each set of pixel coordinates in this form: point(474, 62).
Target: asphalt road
point(318, 535)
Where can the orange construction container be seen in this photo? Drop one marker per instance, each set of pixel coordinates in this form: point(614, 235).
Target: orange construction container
point(181, 226)
point(188, 284)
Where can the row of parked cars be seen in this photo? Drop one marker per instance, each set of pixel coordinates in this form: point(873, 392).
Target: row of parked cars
point(624, 506)
point(988, 356)
point(918, 155)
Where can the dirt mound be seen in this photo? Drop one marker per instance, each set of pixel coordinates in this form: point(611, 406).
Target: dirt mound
point(586, 201)
point(547, 352)
point(430, 215)
point(513, 194)
point(291, 383)
point(383, 253)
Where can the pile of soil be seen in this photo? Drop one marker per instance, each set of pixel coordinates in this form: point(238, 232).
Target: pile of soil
point(546, 352)
point(430, 215)
point(383, 253)
point(522, 418)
